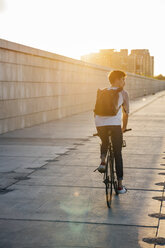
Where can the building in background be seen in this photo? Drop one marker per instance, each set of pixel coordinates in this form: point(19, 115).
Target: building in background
point(138, 61)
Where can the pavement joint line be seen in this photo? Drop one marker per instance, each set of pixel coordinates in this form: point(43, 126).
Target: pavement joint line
point(39, 139)
point(88, 187)
point(142, 168)
point(8, 156)
point(152, 190)
point(139, 136)
point(91, 166)
point(19, 156)
point(96, 152)
point(61, 186)
point(72, 246)
point(78, 222)
point(130, 153)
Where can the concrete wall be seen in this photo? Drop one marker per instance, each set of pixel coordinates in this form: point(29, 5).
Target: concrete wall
point(37, 86)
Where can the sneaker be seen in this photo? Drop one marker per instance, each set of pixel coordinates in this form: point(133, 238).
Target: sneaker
point(122, 190)
point(102, 167)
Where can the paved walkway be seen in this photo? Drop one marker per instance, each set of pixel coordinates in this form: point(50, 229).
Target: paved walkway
point(50, 196)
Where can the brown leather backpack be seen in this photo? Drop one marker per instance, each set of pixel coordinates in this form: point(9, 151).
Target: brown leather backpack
point(107, 102)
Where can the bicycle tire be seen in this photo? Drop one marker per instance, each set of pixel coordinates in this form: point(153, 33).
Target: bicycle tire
point(108, 182)
point(115, 184)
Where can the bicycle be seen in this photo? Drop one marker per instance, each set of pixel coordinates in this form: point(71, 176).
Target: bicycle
point(109, 178)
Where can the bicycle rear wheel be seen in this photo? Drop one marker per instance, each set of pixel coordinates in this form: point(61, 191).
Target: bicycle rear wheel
point(108, 182)
point(114, 180)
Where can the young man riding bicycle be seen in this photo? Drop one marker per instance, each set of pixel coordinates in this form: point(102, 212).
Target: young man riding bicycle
point(106, 123)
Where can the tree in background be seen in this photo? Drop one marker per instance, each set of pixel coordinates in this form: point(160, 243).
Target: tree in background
point(160, 77)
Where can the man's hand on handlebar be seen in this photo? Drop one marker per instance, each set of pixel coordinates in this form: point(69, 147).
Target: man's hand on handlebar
point(124, 130)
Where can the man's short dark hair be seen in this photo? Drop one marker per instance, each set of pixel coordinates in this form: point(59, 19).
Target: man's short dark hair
point(113, 75)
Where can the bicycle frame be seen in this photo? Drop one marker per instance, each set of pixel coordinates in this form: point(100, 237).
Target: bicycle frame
point(109, 175)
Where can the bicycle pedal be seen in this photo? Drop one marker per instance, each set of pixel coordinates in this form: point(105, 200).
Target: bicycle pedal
point(106, 181)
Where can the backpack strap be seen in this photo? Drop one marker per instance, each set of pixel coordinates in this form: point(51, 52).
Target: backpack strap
point(119, 90)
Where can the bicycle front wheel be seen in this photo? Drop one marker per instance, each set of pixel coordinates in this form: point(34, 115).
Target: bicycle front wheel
point(108, 182)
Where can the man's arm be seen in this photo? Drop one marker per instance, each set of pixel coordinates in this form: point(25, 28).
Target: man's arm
point(125, 109)
point(125, 120)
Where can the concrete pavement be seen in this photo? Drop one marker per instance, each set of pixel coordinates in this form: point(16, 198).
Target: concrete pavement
point(50, 196)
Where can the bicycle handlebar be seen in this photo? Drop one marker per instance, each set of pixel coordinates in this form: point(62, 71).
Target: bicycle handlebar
point(95, 134)
point(127, 130)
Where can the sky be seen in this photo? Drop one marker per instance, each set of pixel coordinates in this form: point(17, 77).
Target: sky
point(77, 27)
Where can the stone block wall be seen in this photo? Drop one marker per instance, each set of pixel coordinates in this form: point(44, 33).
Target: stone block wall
point(37, 86)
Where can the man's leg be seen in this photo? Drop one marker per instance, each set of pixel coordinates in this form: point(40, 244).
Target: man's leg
point(103, 134)
point(117, 140)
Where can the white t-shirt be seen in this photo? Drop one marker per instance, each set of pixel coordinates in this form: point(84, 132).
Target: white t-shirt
point(114, 120)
